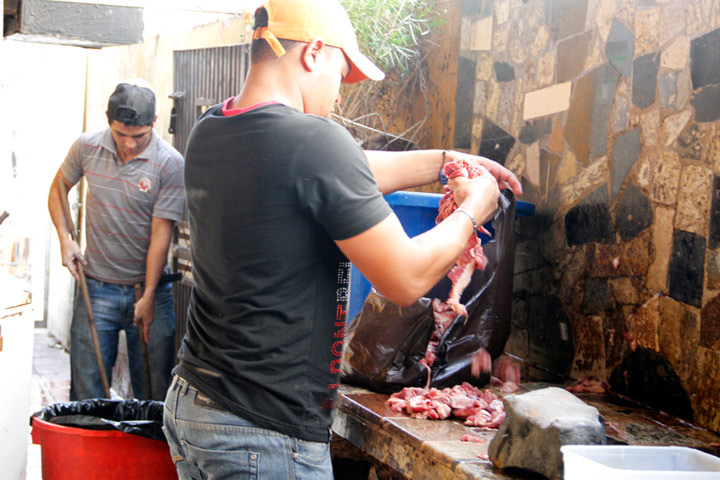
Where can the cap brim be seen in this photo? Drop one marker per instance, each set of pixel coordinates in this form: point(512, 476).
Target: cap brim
point(361, 68)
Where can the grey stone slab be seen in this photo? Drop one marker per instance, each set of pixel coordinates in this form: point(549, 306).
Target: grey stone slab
point(538, 423)
point(504, 72)
point(571, 56)
point(590, 220)
point(625, 154)
point(606, 79)
point(597, 296)
point(464, 100)
point(586, 128)
point(565, 17)
point(687, 268)
point(495, 143)
point(633, 214)
point(689, 144)
point(644, 80)
point(668, 89)
point(707, 103)
point(620, 48)
point(476, 7)
point(714, 236)
point(535, 129)
point(705, 59)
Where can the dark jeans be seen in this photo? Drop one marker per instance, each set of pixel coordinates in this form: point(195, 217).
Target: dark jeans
point(113, 310)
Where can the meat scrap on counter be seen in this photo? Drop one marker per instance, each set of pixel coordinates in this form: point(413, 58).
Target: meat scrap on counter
point(591, 384)
point(478, 408)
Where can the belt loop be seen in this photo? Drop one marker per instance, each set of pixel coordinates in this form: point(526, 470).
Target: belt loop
point(183, 386)
point(173, 383)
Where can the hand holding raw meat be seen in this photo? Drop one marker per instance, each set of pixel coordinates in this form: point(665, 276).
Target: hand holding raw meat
point(472, 188)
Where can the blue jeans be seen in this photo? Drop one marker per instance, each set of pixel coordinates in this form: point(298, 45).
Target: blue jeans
point(113, 310)
point(207, 442)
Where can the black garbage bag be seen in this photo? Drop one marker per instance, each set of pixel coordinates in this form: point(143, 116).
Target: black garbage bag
point(139, 417)
point(384, 343)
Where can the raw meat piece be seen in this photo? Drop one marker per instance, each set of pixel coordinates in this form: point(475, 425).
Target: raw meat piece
point(472, 438)
point(478, 408)
point(443, 315)
point(591, 384)
point(472, 257)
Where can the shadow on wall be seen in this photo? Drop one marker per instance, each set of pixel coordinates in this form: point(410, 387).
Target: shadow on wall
point(648, 377)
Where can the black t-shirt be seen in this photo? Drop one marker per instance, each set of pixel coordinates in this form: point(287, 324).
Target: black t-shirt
point(267, 192)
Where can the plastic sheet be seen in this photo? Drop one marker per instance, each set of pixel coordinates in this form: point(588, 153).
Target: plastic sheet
point(139, 417)
point(385, 342)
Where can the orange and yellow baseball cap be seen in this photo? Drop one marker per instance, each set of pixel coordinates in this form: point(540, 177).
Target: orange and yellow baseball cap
point(306, 20)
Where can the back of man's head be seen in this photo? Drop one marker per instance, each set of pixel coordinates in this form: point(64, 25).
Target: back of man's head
point(279, 23)
point(132, 103)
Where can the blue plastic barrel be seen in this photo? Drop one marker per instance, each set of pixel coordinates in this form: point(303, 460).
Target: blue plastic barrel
point(417, 212)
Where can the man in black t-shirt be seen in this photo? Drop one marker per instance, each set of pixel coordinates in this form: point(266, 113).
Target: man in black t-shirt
point(280, 201)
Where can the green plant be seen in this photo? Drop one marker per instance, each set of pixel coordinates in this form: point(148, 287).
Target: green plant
point(390, 32)
point(393, 34)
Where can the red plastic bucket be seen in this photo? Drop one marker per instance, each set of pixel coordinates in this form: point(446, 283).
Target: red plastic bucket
point(70, 453)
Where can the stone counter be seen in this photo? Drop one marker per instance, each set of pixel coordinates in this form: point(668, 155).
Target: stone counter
point(366, 429)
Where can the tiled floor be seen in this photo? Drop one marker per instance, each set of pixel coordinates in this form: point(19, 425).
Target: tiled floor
point(50, 384)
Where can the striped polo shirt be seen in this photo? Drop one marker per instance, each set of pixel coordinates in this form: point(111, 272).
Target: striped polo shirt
point(122, 199)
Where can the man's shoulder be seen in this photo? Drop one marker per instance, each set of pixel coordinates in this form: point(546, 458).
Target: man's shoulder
point(92, 139)
point(166, 152)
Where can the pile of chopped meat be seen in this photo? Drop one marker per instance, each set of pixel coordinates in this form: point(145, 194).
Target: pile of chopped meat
point(478, 408)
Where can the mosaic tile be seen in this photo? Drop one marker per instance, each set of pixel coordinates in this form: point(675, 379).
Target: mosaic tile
point(495, 143)
point(710, 324)
point(705, 59)
point(689, 144)
point(464, 103)
point(633, 213)
point(504, 72)
point(590, 220)
point(586, 128)
point(481, 34)
point(694, 199)
point(644, 82)
point(667, 89)
point(625, 154)
point(565, 17)
point(619, 48)
point(551, 343)
point(597, 296)
point(476, 7)
point(707, 103)
point(571, 56)
point(547, 101)
point(686, 273)
point(535, 129)
point(675, 57)
point(714, 236)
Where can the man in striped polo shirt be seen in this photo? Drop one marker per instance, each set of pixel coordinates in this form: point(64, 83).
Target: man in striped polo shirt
point(135, 193)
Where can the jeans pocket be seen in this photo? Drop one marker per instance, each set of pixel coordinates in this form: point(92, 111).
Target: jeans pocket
point(225, 465)
point(312, 454)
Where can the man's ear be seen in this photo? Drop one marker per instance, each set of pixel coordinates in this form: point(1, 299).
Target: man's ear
point(311, 54)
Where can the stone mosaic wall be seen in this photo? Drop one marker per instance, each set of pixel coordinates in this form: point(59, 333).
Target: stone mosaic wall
point(610, 112)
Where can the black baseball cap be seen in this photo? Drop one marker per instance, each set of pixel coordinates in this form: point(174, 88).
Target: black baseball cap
point(132, 105)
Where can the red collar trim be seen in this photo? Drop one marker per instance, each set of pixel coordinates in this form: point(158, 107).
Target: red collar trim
point(229, 112)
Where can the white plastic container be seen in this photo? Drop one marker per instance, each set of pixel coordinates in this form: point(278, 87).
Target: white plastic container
point(619, 462)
